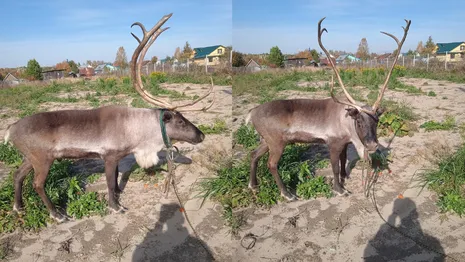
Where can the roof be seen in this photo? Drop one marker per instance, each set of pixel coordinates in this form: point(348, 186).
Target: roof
point(252, 63)
point(447, 47)
point(10, 77)
point(202, 52)
point(53, 70)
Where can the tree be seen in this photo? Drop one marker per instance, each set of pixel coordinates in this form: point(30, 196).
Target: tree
point(276, 57)
point(363, 51)
point(238, 59)
point(304, 54)
point(315, 55)
point(177, 53)
point(63, 65)
point(33, 70)
point(420, 48)
point(410, 52)
point(186, 51)
point(429, 46)
point(121, 59)
point(73, 67)
point(154, 59)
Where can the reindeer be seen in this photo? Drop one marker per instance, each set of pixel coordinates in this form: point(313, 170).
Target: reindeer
point(109, 133)
point(336, 123)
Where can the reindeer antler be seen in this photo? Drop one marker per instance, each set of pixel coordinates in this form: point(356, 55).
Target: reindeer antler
point(148, 39)
point(352, 102)
point(399, 47)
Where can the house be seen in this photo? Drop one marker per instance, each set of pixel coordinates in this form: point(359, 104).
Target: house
point(342, 59)
point(212, 53)
point(295, 61)
point(325, 62)
point(252, 66)
point(53, 74)
point(454, 51)
point(10, 80)
point(104, 68)
point(87, 71)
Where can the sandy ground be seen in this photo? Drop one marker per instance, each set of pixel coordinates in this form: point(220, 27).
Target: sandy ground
point(336, 229)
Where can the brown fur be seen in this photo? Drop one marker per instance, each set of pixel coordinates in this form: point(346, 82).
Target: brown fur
point(282, 122)
point(110, 133)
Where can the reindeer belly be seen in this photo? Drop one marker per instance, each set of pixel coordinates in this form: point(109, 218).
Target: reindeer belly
point(305, 135)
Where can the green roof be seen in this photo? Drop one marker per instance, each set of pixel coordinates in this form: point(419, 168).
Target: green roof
point(202, 52)
point(446, 47)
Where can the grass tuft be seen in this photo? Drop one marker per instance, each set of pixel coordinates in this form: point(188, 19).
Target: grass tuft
point(448, 181)
point(447, 124)
point(64, 191)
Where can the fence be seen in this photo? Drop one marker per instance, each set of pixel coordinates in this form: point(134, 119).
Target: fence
point(426, 63)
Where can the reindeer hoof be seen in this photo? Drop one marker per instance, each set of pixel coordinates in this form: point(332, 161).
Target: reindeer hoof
point(59, 218)
point(254, 188)
point(18, 210)
point(289, 197)
point(118, 210)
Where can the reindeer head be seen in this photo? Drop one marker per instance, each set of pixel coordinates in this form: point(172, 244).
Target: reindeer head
point(181, 129)
point(366, 117)
point(177, 126)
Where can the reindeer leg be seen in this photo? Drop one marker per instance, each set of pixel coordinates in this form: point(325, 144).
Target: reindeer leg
point(275, 154)
point(343, 174)
point(111, 166)
point(334, 153)
point(41, 170)
point(19, 177)
point(117, 188)
point(255, 156)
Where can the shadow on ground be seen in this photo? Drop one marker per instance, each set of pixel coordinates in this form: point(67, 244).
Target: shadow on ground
point(390, 245)
point(170, 240)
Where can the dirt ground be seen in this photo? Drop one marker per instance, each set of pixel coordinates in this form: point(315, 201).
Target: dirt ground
point(335, 229)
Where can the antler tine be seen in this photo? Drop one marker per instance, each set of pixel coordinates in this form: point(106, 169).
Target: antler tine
point(198, 99)
point(333, 66)
point(359, 108)
point(399, 47)
point(138, 57)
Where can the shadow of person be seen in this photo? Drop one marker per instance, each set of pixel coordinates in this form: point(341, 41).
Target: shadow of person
point(169, 240)
point(390, 245)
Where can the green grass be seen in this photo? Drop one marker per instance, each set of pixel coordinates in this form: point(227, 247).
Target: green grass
point(218, 127)
point(447, 124)
point(397, 119)
point(64, 191)
point(448, 181)
point(230, 185)
point(456, 76)
point(26, 98)
point(265, 85)
point(431, 93)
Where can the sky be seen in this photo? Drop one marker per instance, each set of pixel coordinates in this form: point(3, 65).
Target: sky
point(52, 31)
point(292, 25)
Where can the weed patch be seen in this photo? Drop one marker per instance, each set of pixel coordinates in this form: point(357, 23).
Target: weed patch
point(448, 181)
point(230, 186)
point(218, 127)
point(432, 125)
point(64, 191)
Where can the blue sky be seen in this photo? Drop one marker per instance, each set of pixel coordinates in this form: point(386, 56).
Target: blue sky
point(292, 25)
point(52, 31)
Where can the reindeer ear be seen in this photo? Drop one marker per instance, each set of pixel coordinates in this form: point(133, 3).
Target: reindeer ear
point(353, 112)
point(167, 116)
point(379, 111)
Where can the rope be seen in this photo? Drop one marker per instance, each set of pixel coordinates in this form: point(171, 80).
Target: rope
point(170, 180)
point(370, 182)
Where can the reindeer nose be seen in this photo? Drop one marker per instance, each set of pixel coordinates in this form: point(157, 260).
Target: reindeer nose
point(202, 137)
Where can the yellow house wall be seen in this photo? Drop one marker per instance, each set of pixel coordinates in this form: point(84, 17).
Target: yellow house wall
point(215, 54)
point(457, 54)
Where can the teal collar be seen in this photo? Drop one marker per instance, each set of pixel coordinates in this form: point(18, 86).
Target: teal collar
point(166, 139)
